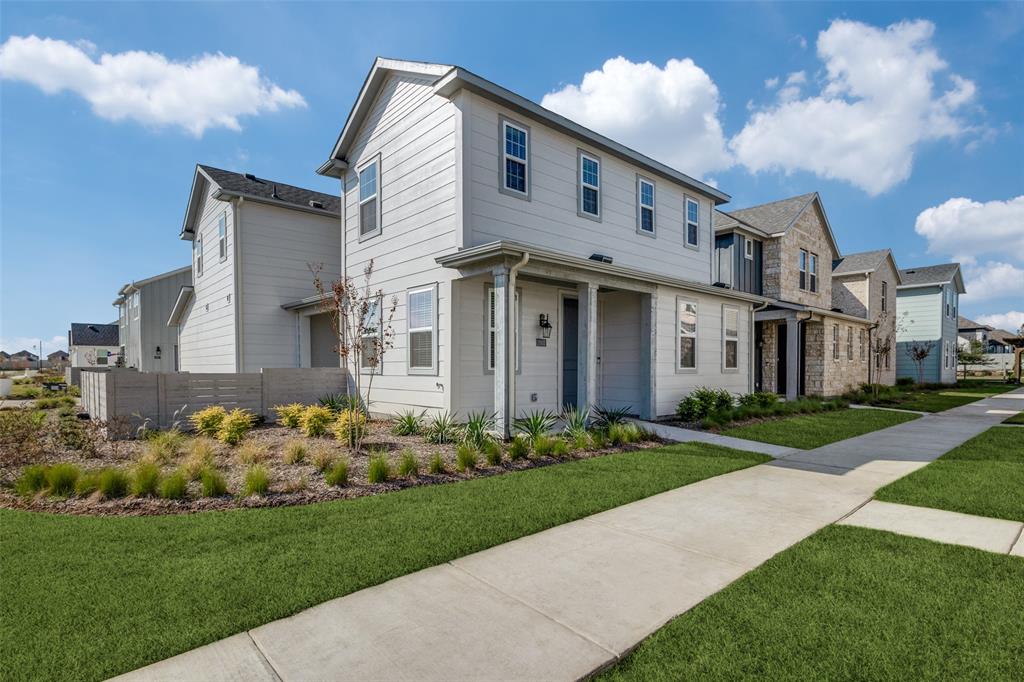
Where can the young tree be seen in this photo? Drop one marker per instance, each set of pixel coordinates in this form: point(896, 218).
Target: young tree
point(918, 351)
point(362, 327)
point(972, 354)
point(881, 348)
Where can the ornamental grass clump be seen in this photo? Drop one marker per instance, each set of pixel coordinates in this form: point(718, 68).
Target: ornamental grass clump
point(164, 446)
point(519, 448)
point(113, 483)
point(544, 446)
point(61, 479)
point(31, 481)
point(379, 469)
point(492, 452)
point(466, 457)
point(337, 474)
point(289, 415)
point(294, 451)
point(257, 480)
point(235, 425)
point(408, 465)
point(174, 487)
point(88, 483)
point(408, 423)
point(350, 427)
point(322, 457)
point(200, 453)
point(212, 483)
point(478, 430)
point(443, 429)
point(315, 420)
point(250, 453)
point(145, 479)
point(436, 465)
point(207, 421)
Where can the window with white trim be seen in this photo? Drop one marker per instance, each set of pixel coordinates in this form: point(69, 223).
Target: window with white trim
point(371, 336)
point(102, 357)
point(492, 326)
point(748, 248)
point(590, 185)
point(692, 222)
point(645, 205)
point(422, 333)
point(369, 199)
point(135, 305)
point(803, 269)
point(222, 236)
point(686, 314)
point(835, 342)
point(814, 272)
point(197, 246)
point(515, 158)
point(730, 337)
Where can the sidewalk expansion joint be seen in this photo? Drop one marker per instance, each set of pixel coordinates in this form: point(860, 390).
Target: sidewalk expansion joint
point(263, 655)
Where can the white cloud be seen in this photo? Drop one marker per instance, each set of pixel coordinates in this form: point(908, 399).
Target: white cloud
point(966, 229)
point(878, 103)
point(210, 91)
point(1011, 321)
point(992, 280)
point(669, 113)
point(771, 83)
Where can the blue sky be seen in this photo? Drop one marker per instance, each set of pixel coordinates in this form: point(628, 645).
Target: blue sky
point(888, 110)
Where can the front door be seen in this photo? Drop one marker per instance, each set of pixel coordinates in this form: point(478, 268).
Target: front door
point(570, 350)
point(780, 355)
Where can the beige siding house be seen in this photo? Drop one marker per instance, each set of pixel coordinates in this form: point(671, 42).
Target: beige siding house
point(535, 263)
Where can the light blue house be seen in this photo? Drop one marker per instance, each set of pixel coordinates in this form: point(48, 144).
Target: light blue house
point(927, 301)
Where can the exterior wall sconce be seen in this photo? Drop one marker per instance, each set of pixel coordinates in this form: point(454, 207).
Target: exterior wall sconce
point(545, 326)
point(158, 353)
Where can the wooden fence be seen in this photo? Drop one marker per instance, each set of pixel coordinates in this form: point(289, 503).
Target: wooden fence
point(161, 398)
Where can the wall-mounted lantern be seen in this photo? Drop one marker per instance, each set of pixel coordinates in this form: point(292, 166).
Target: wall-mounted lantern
point(158, 353)
point(545, 326)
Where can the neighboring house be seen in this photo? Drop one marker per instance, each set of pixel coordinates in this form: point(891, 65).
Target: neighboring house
point(864, 284)
point(58, 359)
point(992, 340)
point(147, 343)
point(5, 358)
point(23, 359)
point(536, 263)
point(251, 303)
point(927, 302)
point(93, 345)
point(805, 344)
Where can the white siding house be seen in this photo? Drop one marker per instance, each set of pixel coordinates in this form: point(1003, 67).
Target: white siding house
point(543, 264)
point(93, 345)
point(251, 303)
point(147, 343)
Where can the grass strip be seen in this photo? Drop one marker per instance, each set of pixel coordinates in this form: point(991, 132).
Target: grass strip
point(809, 431)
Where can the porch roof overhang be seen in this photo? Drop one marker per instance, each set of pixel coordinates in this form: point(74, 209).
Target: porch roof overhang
point(779, 310)
point(478, 259)
point(180, 304)
point(303, 303)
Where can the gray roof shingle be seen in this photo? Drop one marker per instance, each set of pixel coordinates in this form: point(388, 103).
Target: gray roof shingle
point(774, 216)
point(965, 323)
point(89, 334)
point(269, 189)
point(865, 261)
point(929, 274)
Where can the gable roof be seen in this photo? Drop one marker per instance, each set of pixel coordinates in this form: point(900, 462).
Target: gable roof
point(25, 354)
point(1002, 336)
point(136, 284)
point(450, 79)
point(89, 334)
point(864, 262)
point(724, 221)
point(229, 184)
point(62, 354)
point(964, 323)
point(4, 355)
point(776, 217)
point(933, 275)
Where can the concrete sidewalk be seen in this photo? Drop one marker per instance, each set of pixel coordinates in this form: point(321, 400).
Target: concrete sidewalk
point(565, 602)
point(681, 435)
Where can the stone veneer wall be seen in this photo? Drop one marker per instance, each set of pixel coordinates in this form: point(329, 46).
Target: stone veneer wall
point(769, 356)
point(815, 359)
point(850, 294)
point(771, 268)
point(809, 233)
point(843, 374)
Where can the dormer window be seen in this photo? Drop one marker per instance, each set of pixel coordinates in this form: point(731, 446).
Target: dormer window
point(515, 154)
point(692, 223)
point(645, 205)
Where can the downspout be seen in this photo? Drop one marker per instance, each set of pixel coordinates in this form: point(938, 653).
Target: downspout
point(753, 350)
point(513, 350)
point(237, 267)
point(801, 360)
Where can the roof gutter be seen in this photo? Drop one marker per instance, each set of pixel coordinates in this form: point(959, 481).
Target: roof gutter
point(227, 195)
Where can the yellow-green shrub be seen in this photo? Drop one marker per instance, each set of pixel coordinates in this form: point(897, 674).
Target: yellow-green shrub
point(235, 424)
point(350, 426)
point(315, 419)
point(208, 420)
point(289, 415)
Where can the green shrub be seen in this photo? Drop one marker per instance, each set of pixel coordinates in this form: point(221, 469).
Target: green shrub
point(164, 446)
point(337, 402)
point(294, 451)
point(408, 465)
point(315, 420)
point(31, 481)
point(492, 452)
point(478, 430)
point(535, 424)
point(61, 479)
point(24, 392)
point(235, 425)
point(443, 429)
point(337, 474)
point(379, 469)
point(576, 421)
point(758, 399)
point(250, 453)
point(544, 446)
point(321, 457)
point(466, 457)
point(75, 435)
point(199, 457)
point(581, 441)
point(559, 449)
point(631, 432)
point(208, 420)
point(289, 415)
point(21, 434)
point(113, 483)
point(436, 465)
point(88, 483)
point(612, 415)
point(349, 427)
point(703, 401)
point(599, 439)
point(213, 483)
point(905, 381)
point(257, 480)
point(519, 448)
point(408, 423)
point(52, 403)
point(174, 487)
point(617, 434)
point(145, 479)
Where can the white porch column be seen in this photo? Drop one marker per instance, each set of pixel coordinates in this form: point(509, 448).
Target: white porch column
point(792, 358)
point(502, 325)
point(587, 378)
point(648, 407)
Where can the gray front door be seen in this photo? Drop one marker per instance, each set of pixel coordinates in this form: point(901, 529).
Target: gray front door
point(570, 350)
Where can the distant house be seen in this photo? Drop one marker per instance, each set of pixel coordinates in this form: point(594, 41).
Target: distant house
point(93, 345)
point(143, 306)
point(58, 359)
point(927, 304)
point(23, 359)
point(251, 302)
point(992, 340)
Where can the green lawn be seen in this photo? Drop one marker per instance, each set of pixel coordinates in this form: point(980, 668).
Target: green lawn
point(850, 604)
point(940, 399)
point(87, 598)
point(1015, 419)
point(984, 476)
point(808, 431)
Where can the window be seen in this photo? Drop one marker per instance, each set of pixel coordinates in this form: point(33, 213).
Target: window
point(814, 272)
point(492, 319)
point(835, 342)
point(590, 185)
point(803, 269)
point(748, 248)
point(849, 343)
point(369, 199)
point(197, 246)
point(645, 205)
point(885, 296)
point(515, 155)
point(888, 352)
point(422, 341)
point(135, 305)
point(222, 236)
point(102, 357)
point(687, 314)
point(731, 337)
point(863, 344)
point(692, 223)
point(372, 337)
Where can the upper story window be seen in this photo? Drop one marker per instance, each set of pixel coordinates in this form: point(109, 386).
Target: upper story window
point(222, 236)
point(515, 159)
point(692, 222)
point(590, 185)
point(687, 322)
point(369, 199)
point(135, 305)
point(885, 296)
point(197, 246)
point(645, 205)
point(814, 272)
point(803, 269)
point(748, 248)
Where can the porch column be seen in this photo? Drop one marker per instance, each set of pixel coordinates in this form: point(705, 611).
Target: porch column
point(792, 358)
point(648, 408)
point(587, 378)
point(502, 301)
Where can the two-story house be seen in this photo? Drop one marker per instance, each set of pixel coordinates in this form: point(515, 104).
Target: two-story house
point(251, 303)
point(864, 284)
point(805, 344)
point(536, 263)
point(992, 340)
point(927, 302)
point(94, 345)
point(147, 343)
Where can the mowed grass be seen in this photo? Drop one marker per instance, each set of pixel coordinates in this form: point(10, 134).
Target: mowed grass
point(808, 431)
point(850, 604)
point(938, 400)
point(984, 476)
point(88, 598)
point(1015, 419)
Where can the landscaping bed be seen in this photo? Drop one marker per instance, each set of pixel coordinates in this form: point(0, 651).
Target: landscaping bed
point(850, 604)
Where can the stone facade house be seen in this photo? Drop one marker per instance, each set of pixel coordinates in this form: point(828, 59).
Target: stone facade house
point(864, 284)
